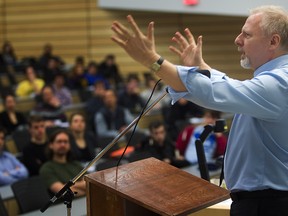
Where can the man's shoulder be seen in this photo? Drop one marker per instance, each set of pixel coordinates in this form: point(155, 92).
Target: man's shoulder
point(48, 165)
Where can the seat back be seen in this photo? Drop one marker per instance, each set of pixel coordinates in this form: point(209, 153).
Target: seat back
point(30, 194)
point(21, 138)
point(3, 210)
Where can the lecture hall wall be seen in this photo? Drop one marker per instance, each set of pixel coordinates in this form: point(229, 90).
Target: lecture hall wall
point(81, 27)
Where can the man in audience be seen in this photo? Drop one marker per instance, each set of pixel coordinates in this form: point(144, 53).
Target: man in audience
point(109, 69)
point(177, 114)
point(111, 119)
point(61, 168)
point(11, 169)
point(49, 106)
point(34, 153)
point(156, 144)
point(10, 118)
point(130, 97)
point(95, 102)
point(61, 91)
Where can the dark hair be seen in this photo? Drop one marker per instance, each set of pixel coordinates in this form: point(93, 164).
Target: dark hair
point(75, 114)
point(92, 64)
point(155, 125)
point(214, 113)
point(35, 118)
point(110, 56)
point(133, 76)
point(3, 130)
point(29, 66)
point(52, 138)
point(6, 95)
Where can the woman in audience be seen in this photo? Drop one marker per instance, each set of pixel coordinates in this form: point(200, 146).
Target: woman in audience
point(84, 142)
point(11, 119)
point(31, 86)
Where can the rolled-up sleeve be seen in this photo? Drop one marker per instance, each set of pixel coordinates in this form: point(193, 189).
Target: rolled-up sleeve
point(219, 92)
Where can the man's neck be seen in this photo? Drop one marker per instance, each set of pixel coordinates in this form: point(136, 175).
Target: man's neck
point(60, 159)
point(38, 141)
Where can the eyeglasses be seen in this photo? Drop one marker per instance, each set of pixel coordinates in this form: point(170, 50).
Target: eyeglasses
point(61, 141)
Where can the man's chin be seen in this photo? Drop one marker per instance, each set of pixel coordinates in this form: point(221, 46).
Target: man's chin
point(245, 64)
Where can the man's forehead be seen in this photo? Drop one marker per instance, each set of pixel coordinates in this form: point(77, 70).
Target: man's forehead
point(38, 123)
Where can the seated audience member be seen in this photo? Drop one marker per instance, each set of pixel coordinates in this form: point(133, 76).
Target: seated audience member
point(109, 69)
point(150, 82)
point(214, 144)
point(46, 55)
point(180, 112)
point(83, 142)
point(11, 119)
point(157, 144)
point(52, 68)
point(130, 97)
point(92, 74)
point(11, 169)
point(60, 90)
point(111, 119)
point(49, 106)
point(34, 153)
point(79, 60)
point(94, 103)
point(8, 61)
point(31, 86)
point(60, 168)
point(76, 80)
point(8, 54)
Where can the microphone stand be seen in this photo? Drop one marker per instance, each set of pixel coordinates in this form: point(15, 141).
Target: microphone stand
point(220, 126)
point(66, 191)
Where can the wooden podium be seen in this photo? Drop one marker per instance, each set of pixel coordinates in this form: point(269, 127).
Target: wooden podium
point(149, 187)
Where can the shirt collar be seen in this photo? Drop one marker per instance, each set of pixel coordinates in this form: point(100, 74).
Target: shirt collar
point(270, 65)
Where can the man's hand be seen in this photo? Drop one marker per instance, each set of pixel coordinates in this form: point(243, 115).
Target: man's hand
point(139, 46)
point(189, 52)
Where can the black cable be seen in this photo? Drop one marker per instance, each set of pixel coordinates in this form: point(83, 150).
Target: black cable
point(140, 116)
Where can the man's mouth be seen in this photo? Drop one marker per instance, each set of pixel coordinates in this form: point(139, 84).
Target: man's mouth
point(243, 56)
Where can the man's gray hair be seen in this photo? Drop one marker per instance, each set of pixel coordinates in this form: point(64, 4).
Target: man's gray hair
point(275, 21)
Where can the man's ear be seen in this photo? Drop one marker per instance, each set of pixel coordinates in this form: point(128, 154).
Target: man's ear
point(275, 41)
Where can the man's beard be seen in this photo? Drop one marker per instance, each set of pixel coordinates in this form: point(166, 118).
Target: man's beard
point(245, 63)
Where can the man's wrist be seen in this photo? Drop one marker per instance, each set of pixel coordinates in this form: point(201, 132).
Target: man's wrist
point(157, 64)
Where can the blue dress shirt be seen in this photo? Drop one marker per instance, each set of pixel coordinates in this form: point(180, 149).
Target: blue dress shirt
point(11, 169)
point(257, 150)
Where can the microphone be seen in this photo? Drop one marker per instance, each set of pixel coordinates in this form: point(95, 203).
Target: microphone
point(220, 126)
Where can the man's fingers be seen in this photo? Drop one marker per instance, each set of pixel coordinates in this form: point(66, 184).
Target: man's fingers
point(199, 45)
point(175, 50)
point(190, 37)
point(134, 26)
point(120, 42)
point(121, 30)
point(150, 32)
point(181, 40)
